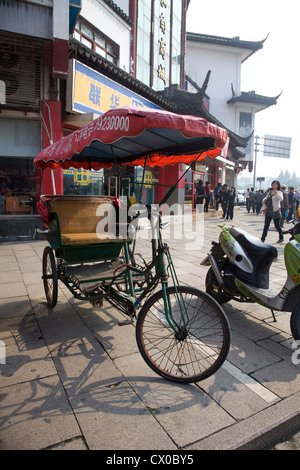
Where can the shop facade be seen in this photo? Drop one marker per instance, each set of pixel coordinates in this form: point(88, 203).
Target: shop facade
point(60, 75)
point(21, 76)
point(33, 64)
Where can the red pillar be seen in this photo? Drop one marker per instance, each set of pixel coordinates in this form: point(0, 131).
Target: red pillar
point(168, 176)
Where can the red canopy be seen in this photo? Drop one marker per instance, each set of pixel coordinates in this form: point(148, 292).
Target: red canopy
point(127, 135)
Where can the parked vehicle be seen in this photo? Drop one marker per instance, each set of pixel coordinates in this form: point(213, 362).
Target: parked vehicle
point(239, 270)
point(182, 333)
point(240, 199)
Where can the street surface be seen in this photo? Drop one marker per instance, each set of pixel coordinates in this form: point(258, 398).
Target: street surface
point(74, 379)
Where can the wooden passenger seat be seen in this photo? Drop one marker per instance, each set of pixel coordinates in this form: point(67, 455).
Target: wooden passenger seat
point(80, 220)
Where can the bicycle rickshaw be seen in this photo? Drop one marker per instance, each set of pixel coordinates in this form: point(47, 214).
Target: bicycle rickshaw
point(181, 332)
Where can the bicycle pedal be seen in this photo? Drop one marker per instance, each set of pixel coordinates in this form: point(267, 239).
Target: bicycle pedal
point(126, 322)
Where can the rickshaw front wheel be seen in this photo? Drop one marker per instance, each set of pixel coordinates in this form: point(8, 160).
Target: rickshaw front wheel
point(201, 340)
point(50, 277)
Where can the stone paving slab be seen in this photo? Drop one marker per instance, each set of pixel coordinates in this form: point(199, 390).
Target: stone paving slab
point(114, 418)
point(74, 379)
point(35, 415)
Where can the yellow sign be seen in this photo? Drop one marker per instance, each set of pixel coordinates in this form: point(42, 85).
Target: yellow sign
point(82, 177)
point(89, 93)
point(92, 92)
point(149, 180)
point(199, 167)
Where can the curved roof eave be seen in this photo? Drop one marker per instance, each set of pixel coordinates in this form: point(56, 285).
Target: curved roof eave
point(225, 41)
point(192, 103)
point(254, 98)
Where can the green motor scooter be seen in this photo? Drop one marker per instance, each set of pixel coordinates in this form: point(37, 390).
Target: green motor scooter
point(239, 270)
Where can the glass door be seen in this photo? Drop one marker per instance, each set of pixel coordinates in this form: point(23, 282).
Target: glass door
point(197, 176)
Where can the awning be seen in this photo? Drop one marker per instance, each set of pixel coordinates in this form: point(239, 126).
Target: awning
point(127, 135)
point(74, 11)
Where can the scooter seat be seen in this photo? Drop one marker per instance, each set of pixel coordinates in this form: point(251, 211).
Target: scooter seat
point(261, 255)
point(253, 244)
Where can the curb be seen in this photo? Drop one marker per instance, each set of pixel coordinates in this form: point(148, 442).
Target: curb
point(258, 432)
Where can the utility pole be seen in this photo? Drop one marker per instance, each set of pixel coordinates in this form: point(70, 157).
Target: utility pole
point(255, 161)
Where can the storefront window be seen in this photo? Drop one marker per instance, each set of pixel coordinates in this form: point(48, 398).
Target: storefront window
point(20, 182)
point(84, 182)
point(20, 186)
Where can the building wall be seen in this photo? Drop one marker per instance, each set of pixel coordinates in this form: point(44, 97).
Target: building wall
point(23, 17)
point(225, 66)
point(103, 18)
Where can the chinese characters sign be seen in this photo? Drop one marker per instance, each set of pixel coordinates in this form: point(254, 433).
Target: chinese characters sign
point(92, 92)
point(161, 71)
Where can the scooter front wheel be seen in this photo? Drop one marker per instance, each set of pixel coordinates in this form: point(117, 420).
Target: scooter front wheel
point(213, 288)
point(295, 322)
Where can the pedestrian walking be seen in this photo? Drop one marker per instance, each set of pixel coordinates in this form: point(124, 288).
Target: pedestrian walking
point(259, 201)
point(297, 197)
point(284, 205)
point(207, 195)
point(271, 205)
point(231, 201)
point(224, 199)
point(246, 196)
point(292, 203)
point(217, 196)
point(199, 195)
point(251, 202)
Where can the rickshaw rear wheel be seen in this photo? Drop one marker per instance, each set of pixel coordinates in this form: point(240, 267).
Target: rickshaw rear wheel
point(50, 277)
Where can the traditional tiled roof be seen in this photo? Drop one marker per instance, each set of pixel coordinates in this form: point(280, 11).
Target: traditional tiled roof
point(254, 98)
point(192, 103)
point(252, 46)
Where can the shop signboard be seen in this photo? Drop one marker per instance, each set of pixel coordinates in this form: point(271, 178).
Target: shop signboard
point(91, 92)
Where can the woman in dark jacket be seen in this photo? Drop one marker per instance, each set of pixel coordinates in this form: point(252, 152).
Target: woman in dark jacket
point(231, 201)
point(199, 195)
point(207, 195)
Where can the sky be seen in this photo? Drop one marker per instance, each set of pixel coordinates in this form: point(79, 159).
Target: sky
point(273, 69)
